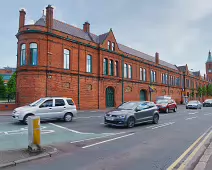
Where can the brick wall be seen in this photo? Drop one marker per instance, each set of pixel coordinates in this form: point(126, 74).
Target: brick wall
point(6, 107)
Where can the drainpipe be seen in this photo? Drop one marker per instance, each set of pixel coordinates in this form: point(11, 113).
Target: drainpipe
point(99, 78)
point(122, 81)
point(78, 77)
point(168, 83)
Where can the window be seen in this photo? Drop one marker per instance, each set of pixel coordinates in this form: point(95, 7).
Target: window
point(59, 102)
point(116, 70)
point(125, 70)
point(66, 59)
point(177, 81)
point(47, 103)
point(141, 74)
point(33, 54)
point(144, 74)
point(109, 44)
point(89, 64)
point(113, 46)
point(153, 76)
point(105, 66)
point(111, 67)
point(166, 79)
point(129, 71)
point(70, 102)
point(23, 54)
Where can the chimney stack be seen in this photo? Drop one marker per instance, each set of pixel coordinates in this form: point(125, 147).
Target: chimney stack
point(157, 59)
point(22, 18)
point(49, 17)
point(204, 77)
point(86, 27)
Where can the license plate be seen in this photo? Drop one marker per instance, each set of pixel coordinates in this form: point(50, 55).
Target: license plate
point(109, 118)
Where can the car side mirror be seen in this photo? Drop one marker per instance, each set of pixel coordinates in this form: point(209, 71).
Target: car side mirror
point(137, 109)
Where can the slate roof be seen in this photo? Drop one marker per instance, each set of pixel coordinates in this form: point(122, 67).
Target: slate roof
point(77, 32)
point(196, 73)
point(182, 68)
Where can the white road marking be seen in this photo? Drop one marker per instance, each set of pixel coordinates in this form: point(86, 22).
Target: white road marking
point(88, 117)
point(208, 114)
point(107, 140)
point(93, 111)
point(107, 135)
point(70, 130)
point(163, 125)
point(192, 113)
point(159, 125)
point(191, 118)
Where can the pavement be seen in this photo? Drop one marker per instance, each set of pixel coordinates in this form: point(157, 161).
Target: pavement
point(86, 144)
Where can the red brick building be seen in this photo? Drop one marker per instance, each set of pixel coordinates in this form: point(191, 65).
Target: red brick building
point(209, 67)
point(57, 59)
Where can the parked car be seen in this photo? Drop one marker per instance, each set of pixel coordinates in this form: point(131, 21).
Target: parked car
point(207, 103)
point(47, 109)
point(165, 105)
point(194, 104)
point(130, 113)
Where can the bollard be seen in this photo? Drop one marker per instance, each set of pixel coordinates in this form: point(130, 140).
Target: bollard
point(34, 138)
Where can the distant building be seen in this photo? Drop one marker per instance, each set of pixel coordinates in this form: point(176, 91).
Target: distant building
point(6, 73)
point(57, 59)
point(209, 67)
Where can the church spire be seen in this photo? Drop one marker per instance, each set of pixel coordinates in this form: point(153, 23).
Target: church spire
point(209, 57)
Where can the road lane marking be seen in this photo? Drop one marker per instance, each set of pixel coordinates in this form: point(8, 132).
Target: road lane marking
point(107, 135)
point(208, 114)
point(193, 113)
point(173, 165)
point(163, 125)
point(98, 143)
point(191, 118)
point(88, 117)
point(93, 111)
point(159, 125)
point(70, 130)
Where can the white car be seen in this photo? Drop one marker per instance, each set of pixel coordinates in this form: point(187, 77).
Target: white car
point(47, 109)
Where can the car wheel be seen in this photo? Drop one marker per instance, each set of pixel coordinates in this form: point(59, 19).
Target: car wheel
point(175, 109)
point(155, 119)
point(186, 107)
point(167, 110)
point(25, 119)
point(131, 122)
point(68, 117)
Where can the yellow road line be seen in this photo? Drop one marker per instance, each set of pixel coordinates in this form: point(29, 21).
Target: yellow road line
point(194, 152)
point(171, 167)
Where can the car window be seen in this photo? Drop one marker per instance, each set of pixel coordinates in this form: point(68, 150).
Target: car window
point(47, 103)
point(143, 106)
point(36, 102)
point(128, 106)
point(162, 102)
point(70, 102)
point(59, 102)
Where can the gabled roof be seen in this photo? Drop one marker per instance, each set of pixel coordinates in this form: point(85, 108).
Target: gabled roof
point(196, 73)
point(77, 32)
point(182, 68)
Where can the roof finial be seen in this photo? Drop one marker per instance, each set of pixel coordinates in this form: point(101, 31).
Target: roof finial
point(43, 13)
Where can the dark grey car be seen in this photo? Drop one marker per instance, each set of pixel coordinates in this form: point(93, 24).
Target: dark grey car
point(130, 113)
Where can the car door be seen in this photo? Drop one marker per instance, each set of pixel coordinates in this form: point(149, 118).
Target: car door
point(142, 112)
point(59, 108)
point(45, 109)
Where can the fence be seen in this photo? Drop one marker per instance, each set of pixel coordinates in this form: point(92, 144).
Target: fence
point(8, 98)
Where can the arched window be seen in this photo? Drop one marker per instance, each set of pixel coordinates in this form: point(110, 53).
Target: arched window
point(66, 59)
point(89, 64)
point(105, 66)
point(144, 74)
point(23, 55)
point(33, 58)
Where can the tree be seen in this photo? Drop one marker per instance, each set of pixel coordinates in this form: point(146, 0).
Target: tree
point(204, 91)
point(200, 92)
point(192, 93)
point(2, 88)
point(11, 86)
point(209, 90)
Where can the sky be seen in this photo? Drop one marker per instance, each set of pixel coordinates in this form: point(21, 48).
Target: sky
point(179, 30)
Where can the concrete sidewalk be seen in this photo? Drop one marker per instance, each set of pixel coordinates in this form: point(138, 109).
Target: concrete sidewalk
point(13, 157)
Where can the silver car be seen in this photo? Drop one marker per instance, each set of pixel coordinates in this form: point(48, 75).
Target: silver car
point(47, 109)
point(194, 104)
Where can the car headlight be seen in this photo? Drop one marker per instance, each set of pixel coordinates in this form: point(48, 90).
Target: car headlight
point(121, 116)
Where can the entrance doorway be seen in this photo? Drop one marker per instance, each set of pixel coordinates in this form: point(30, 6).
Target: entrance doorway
point(110, 97)
point(143, 95)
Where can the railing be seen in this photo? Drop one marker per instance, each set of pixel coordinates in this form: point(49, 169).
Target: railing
point(8, 98)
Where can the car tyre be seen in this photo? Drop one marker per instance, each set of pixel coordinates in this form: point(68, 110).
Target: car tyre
point(175, 109)
point(68, 117)
point(25, 119)
point(155, 119)
point(131, 122)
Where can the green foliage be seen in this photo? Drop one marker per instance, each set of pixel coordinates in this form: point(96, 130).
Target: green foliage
point(192, 93)
point(200, 91)
point(209, 90)
point(204, 91)
point(11, 86)
point(2, 88)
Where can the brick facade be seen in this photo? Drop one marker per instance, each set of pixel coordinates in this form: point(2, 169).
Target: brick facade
point(49, 78)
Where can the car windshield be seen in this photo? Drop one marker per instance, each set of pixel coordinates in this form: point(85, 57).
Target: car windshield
point(36, 102)
point(128, 106)
point(162, 102)
point(208, 100)
point(192, 102)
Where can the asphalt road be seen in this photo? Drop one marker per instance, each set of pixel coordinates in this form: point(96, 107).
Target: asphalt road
point(145, 147)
